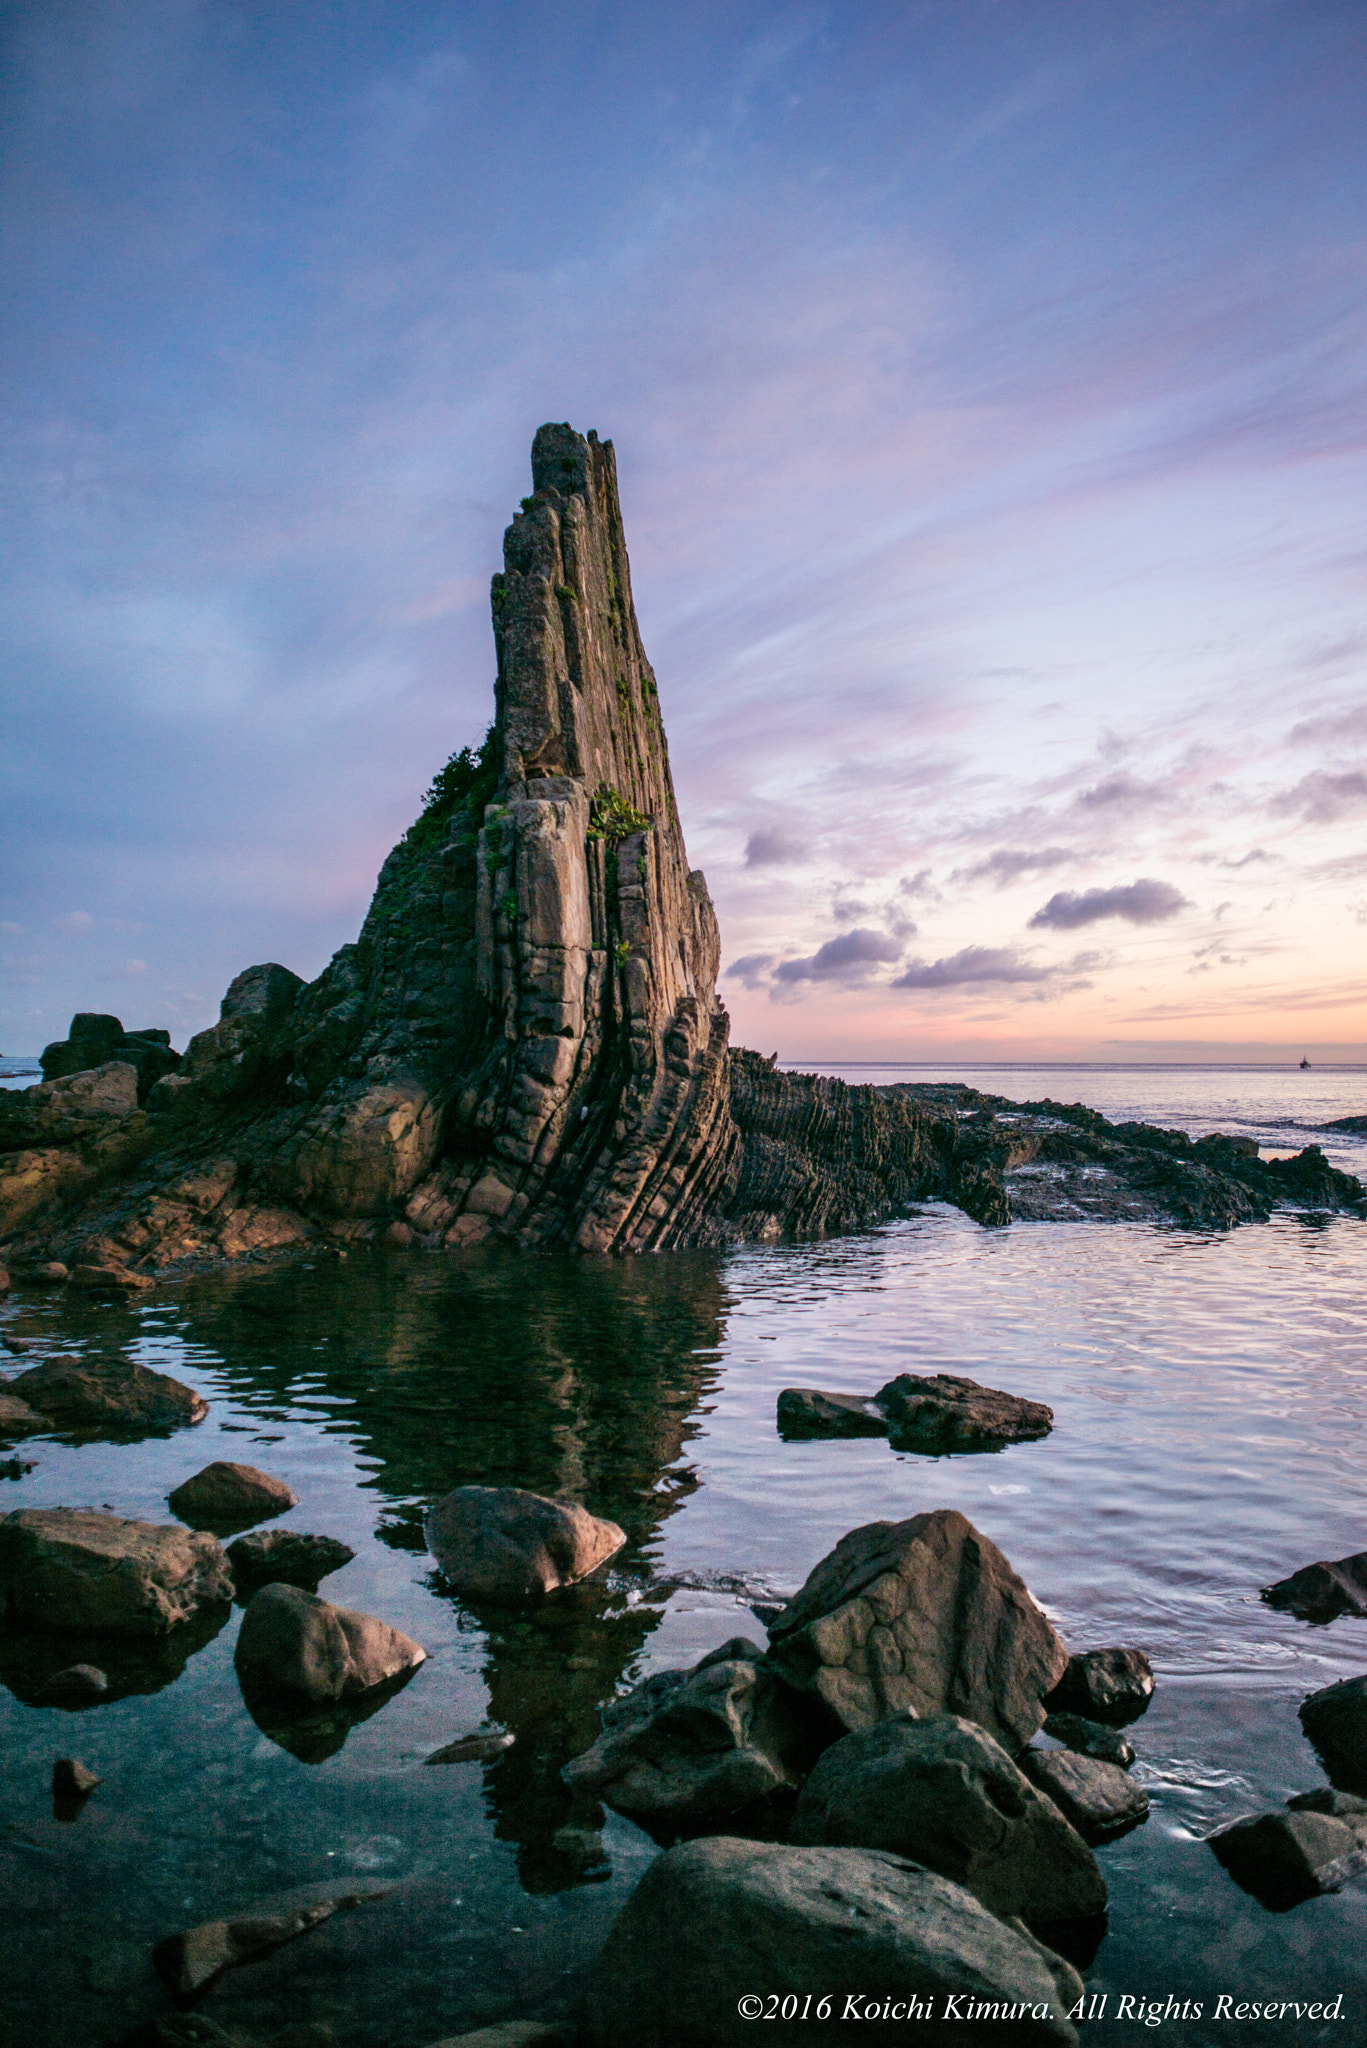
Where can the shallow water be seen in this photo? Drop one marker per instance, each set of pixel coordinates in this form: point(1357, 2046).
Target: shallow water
point(1210, 1398)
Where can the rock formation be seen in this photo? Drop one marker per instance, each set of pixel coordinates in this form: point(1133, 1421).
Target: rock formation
point(526, 1039)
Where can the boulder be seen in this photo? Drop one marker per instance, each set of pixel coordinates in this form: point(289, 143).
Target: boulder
point(807, 1411)
point(507, 1546)
point(188, 1963)
point(720, 1921)
point(687, 1748)
point(18, 1419)
point(1114, 1686)
point(940, 1413)
point(289, 1557)
point(73, 1568)
point(1335, 1720)
point(1074, 1731)
point(1321, 1592)
point(226, 1496)
point(945, 1794)
point(925, 1614)
point(306, 1645)
point(1283, 1858)
point(82, 1394)
point(1095, 1797)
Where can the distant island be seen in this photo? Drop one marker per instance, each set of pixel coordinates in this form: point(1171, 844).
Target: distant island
point(526, 1041)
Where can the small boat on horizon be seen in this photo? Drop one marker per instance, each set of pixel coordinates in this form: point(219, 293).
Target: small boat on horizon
point(1304, 1063)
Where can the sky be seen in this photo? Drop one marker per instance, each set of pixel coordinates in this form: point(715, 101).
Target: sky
point(987, 384)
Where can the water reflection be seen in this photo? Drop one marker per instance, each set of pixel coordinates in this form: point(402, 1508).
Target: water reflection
point(575, 1378)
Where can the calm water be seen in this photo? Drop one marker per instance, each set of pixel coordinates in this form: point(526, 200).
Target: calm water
point(1210, 1397)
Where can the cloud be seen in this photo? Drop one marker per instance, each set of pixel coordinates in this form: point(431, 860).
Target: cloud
point(76, 923)
point(972, 964)
point(1004, 864)
point(1122, 791)
point(849, 958)
point(752, 969)
point(1141, 902)
point(1322, 798)
point(1255, 853)
point(775, 846)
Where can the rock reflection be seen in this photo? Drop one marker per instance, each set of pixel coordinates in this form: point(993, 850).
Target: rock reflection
point(30, 1660)
point(577, 1378)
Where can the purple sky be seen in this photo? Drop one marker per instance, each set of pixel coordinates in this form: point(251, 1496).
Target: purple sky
point(987, 382)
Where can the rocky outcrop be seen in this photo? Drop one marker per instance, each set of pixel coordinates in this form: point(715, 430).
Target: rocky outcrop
point(924, 1614)
point(505, 1545)
point(76, 1569)
point(718, 1929)
point(942, 1792)
point(525, 1039)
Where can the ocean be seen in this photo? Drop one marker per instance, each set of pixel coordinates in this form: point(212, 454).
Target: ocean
point(1210, 1404)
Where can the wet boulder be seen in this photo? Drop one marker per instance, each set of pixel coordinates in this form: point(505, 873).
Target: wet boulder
point(226, 1496)
point(687, 1748)
point(808, 1411)
point(288, 1557)
point(1323, 1591)
point(1095, 1797)
point(75, 1569)
point(1075, 1732)
point(1335, 1720)
point(924, 1614)
point(301, 1644)
point(510, 1547)
point(715, 1923)
point(80, 1394)
point(1114, 1686)
point(942, 1792)
point(1283, 1858)
point(939, 1413)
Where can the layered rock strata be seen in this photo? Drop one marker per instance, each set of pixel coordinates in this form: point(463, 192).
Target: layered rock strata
point(525, 1039)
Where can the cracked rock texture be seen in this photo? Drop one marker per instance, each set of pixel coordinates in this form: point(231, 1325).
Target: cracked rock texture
point(525, 1039)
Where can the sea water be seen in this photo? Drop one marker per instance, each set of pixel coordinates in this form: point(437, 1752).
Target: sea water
point(1210, 1404)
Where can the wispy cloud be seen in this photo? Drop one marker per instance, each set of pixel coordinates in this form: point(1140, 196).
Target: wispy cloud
point(1322, 798)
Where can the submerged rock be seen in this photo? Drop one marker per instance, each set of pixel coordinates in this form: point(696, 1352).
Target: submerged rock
point(289, 1557)
point(306, 1645)
point(1113, 1686)
point(73, 1568)
point(226, 1496)
point(71, 1780)
point(1094, 1796)
point(687, 1748)
point(943, 1793)
point(507, 1546)
point(1335, 1719)
point(1321, 1592)
point(77, 1684)
point(716, 1922)
point(79, 1395)
point(483, 1747)
point(188, 1963)
point(1088, 1738)
point(924, 1614)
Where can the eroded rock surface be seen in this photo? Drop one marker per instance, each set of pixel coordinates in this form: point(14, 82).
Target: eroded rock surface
point(924, 1614)
point(716, 1921)
point(76, 1569)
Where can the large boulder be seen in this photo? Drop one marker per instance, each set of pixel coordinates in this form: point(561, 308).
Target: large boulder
point(291, 1557)
point(81, 1394)
point(75, 1569)
point(1113, 1686)
point(1094, 1796)
point(226, 1496)
point(302, 1644)
point(1335, 1720)
point(1321, 1592)
point(720, 1929)
point(507, 1546)
point(925, 1614)
point(940, 1413)
point(1283, 1858)
point(944, 1793)
point(687, 1748)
